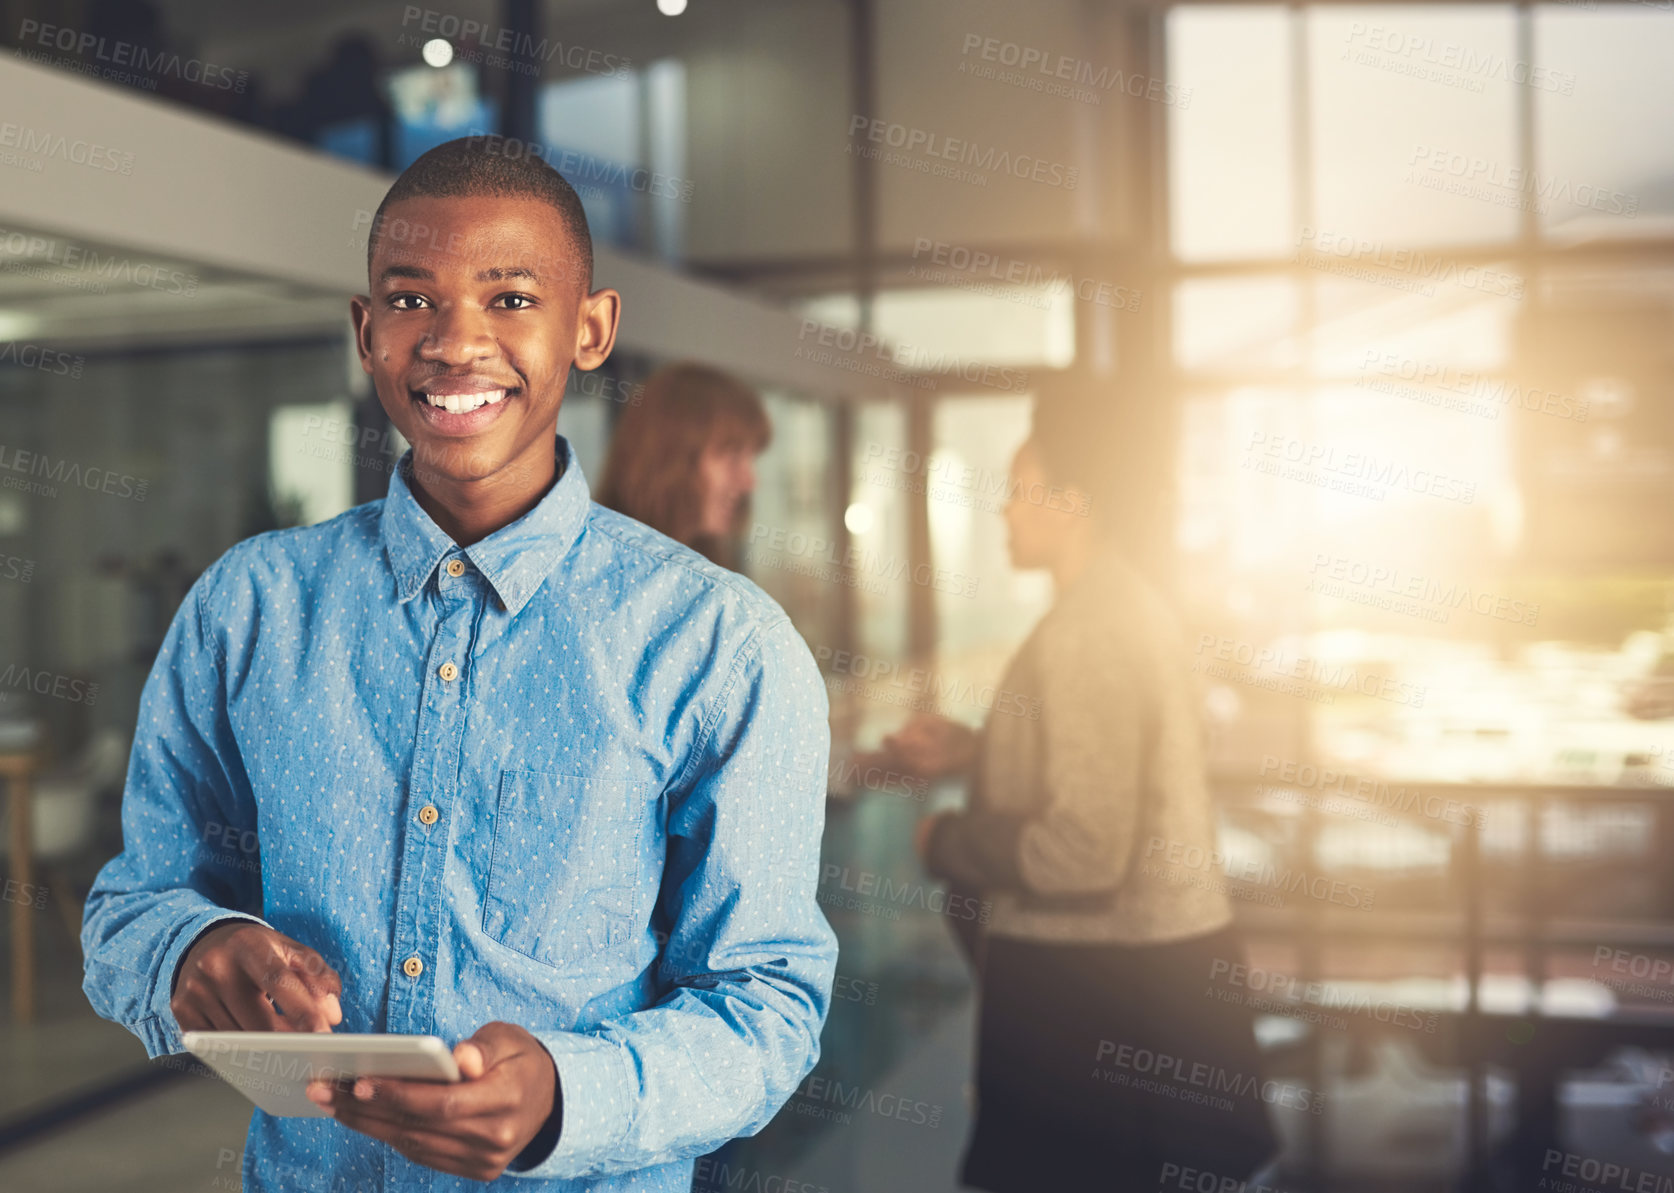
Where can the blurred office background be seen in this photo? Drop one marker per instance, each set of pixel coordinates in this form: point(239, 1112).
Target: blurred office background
point(1392, 284)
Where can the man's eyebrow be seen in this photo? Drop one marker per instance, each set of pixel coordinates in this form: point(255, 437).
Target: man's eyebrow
point(494, 273)
point(414, 272)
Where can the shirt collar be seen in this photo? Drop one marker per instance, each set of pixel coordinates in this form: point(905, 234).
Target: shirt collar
point(515, 559)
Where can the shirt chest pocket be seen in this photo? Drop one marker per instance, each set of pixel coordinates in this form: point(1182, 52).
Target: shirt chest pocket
point(564, 876)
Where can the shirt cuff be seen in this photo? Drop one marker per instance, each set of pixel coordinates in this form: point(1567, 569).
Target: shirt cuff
point(540, 1147)
point(161, 1032)
point(599, 1093)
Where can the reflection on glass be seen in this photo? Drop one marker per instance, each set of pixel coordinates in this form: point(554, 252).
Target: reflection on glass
point(790, 548)
point(982, 604)
point(584, 419)
point(876, 518)
point(871, 689)
point(951, 331)
point(309, 476)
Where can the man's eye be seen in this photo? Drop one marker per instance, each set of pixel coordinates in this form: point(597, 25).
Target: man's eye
point(397, 300)
point(523, 301)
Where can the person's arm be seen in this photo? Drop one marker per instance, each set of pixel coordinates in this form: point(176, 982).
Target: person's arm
point(749, 959)
point(1093, 724)
point(188, 832)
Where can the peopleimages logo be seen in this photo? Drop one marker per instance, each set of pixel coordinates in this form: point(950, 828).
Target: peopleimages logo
point(1495, 179)
point(35, 464)
point(1051, 73)
point(1385, 582)
point(1599, 1174)
point(1202, 1180)
point(981, 160)
point(922, 681)
point(1182, 858)
point(854, 561)
point(1272, 992)
point(24, 894)
point(849, 349)
point(116, 52)
point(1315, 677)
point(78, 152)
point(1488, 392)
point(47, 360)
point(982, 272)
point(1190, 1080)
point(847, 887)
point(1362, 259)
point(1407, 801)
point(717, 1176)
point(421, 24)
point(825, 1097)
point(1361, 473)
point(1450, 62)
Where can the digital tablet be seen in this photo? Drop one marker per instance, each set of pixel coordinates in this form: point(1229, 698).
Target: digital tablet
point(273, 1068)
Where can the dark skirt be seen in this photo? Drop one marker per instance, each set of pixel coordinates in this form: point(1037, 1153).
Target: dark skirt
point(1099, 1064)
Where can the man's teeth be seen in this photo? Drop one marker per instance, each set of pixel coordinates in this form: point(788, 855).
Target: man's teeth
point(464, 403)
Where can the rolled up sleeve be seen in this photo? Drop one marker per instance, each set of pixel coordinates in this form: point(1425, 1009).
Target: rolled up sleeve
point(749, 961)
point(188, 859)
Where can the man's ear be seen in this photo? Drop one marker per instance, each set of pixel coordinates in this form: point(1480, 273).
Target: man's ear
point(360, 315)
point(596, 333)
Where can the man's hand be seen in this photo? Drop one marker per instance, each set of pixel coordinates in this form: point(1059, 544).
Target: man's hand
point(232, 971)
point(472, 1128)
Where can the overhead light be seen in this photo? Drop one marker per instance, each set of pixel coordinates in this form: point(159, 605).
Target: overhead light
point(438, 51)
point(858, 518)
point(671, 8)
point(16, 324)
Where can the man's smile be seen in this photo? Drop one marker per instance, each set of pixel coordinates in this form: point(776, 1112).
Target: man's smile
point(461, 405)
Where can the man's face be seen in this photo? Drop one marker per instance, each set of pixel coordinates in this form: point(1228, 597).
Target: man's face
point(477, 311)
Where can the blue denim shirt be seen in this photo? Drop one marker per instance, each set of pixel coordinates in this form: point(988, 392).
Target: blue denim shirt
point(625, 750)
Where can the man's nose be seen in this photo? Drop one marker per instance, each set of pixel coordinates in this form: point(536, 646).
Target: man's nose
point(457, 336)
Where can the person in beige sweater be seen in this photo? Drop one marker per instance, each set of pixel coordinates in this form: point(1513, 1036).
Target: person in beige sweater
point(1104, 1051)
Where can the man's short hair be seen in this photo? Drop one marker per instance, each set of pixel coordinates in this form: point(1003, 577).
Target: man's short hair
point(497, 167)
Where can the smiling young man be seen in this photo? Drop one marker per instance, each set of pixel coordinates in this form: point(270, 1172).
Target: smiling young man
point(513, 769)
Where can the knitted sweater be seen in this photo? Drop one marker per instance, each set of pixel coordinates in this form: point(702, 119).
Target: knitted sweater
point(1089, 818)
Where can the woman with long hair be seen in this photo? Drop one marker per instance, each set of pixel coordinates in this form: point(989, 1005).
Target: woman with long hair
point(682, 458)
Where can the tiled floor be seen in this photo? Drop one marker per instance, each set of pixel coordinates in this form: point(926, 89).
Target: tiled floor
point(182, 1137)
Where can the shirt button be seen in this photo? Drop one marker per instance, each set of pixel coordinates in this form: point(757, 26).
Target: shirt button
point(448, 672)
point(455, 568)
point(428, 814)
point(412, 967)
